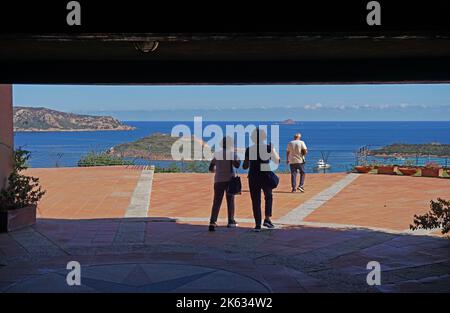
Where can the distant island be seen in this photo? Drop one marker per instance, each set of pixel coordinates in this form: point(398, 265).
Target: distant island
point(408, 150)
point(34, 119)
point(156, 146)
point(288, 122)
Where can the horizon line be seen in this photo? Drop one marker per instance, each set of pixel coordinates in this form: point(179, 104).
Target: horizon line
point(280, 121)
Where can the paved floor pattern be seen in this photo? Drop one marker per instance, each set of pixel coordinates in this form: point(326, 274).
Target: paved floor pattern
point(299, 213)
point(163, 244)
point(176, 257)
point(140, 200)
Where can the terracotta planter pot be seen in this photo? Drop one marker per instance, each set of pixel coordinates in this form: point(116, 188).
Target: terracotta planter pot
point(407, 171)
point(386, 170)
point(363, 169)
point(16, 219)
point(430, 172)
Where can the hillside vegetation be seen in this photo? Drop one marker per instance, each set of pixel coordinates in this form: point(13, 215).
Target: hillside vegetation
point(43, 119)
point(156, 146)
point(398, 149)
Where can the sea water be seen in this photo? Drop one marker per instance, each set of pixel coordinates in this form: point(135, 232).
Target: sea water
point(338, 142)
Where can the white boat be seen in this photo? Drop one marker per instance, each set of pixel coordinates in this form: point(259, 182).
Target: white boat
point(321, 164)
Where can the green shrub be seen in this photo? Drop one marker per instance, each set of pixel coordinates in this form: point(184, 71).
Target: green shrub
point(196, 167)
point(437, 217)
point(185, 167)
point(173, 168)
point(102, 159)
point(21, 190)
point(409, 162)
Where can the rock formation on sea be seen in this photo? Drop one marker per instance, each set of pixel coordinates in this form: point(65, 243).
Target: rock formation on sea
point(288, 122)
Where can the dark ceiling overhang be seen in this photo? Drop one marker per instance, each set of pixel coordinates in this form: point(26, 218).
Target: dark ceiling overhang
point(226, 58)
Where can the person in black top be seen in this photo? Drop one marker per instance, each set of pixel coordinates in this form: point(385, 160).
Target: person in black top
point(257, 159)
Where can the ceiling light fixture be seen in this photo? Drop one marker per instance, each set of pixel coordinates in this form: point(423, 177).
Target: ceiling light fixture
point(146, 46)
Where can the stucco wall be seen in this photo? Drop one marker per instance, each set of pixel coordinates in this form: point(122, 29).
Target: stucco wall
point(6, 132)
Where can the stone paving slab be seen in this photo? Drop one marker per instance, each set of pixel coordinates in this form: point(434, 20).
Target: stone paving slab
point(88, 192)
point(384, 201)
point(299, 213)
point(190, 195)
point(140, 200)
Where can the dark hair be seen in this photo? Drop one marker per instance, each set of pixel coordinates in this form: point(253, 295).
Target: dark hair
point(257, 132)
point(225, 140)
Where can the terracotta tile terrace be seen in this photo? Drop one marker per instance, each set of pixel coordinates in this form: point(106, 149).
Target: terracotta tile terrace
point(136, 231)
point(379, 201)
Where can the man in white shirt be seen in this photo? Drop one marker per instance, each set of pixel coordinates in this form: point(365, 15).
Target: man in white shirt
point(295, 157)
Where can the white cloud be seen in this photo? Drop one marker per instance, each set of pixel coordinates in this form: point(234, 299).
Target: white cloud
point(341, 107)
point(313, 106)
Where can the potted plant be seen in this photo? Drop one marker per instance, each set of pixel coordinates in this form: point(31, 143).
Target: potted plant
point(431, 169)
point(408, 168)
point(19, 198)
point(386, 169)
point(408, 171)
point(363, 169)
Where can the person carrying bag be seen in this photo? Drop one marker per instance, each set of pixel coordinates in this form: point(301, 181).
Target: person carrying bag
point(261, 177)
point(270, 179)
point(235, 184)
point(226, 182)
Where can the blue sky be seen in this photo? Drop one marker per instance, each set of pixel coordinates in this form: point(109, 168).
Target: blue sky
point(248, 102)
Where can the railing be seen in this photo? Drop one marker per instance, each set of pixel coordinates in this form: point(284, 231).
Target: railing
point(339, 161)
point(342, 160)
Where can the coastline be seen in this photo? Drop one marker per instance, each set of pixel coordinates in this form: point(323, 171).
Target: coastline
point(339, 138)
point(70, 130)
point(408, 155)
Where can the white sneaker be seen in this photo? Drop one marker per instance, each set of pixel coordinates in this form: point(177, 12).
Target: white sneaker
point(232, 225)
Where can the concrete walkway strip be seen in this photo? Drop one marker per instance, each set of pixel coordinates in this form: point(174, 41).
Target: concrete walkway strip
point(140, 200)
point(299, 213)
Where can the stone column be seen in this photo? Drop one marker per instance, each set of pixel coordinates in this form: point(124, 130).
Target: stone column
point(6, 133)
